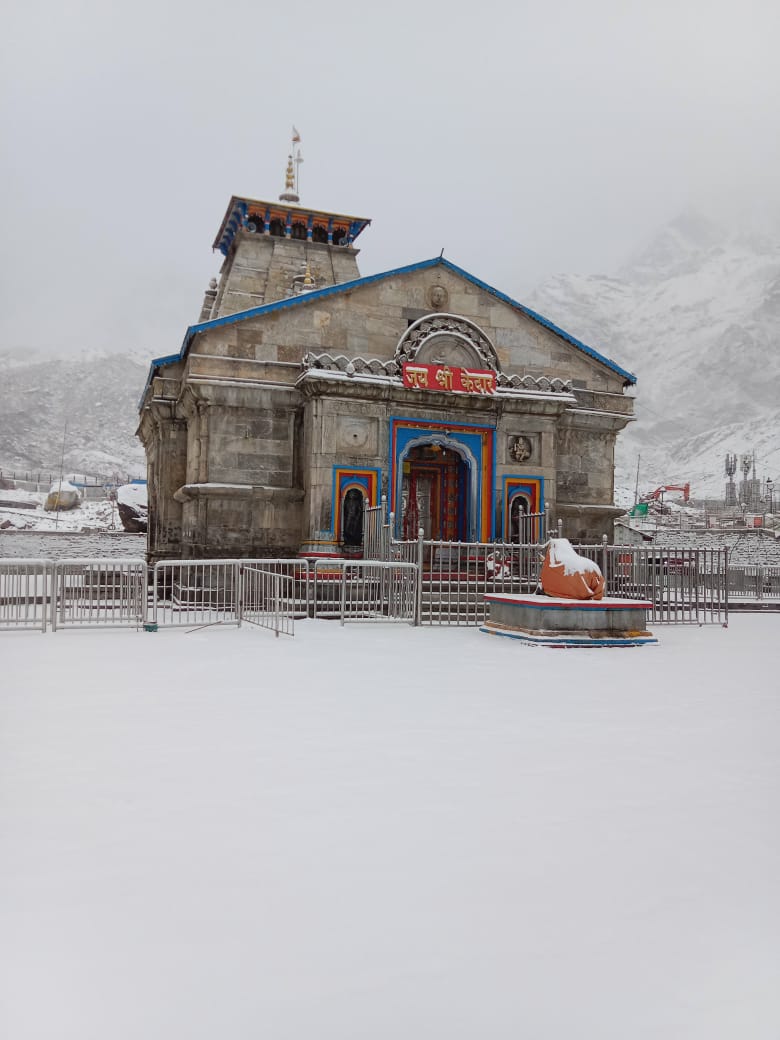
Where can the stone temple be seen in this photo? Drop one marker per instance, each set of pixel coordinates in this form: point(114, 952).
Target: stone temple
point(305, 391)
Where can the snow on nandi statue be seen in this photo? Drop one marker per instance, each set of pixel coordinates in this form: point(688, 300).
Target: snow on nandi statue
point(568, 575)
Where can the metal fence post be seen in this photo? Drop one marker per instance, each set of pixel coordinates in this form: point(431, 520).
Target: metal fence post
point(420, 553)
point(604, 541)
point(560, 528)
point(725, 587)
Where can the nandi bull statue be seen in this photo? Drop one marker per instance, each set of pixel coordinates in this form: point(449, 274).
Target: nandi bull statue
point(568, 575)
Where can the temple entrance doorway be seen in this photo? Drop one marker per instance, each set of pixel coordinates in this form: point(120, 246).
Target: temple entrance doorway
point(435, 494)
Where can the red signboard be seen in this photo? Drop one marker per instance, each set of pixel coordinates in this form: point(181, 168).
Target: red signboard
point(445, 377)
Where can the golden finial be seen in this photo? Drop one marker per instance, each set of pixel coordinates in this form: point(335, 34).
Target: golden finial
point(308, 281)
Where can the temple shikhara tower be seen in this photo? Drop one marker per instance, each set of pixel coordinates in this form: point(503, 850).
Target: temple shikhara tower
point(305, 391)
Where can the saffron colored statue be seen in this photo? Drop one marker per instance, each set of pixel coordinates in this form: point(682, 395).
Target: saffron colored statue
point(568, 575)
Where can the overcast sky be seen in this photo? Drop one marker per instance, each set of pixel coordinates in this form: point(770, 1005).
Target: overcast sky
point(524, 138)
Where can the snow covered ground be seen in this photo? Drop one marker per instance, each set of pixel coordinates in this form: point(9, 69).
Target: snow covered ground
point(377, 832)
point(89, 515)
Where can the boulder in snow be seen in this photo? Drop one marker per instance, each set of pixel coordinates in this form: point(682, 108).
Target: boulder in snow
point(131, 501)
point(62, 495)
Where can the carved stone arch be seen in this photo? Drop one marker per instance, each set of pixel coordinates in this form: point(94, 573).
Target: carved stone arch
point(447, 339)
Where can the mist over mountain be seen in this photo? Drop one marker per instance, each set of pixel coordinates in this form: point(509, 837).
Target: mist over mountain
point(86, 404)
point(696, 316)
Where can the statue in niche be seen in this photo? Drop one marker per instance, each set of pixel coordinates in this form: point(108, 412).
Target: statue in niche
point(353, 518)
point(521, 449)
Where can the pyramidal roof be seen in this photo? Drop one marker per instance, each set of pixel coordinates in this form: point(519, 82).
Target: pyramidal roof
point(333, 290)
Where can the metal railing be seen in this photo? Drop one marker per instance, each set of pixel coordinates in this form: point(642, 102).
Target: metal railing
point(268, 599)
point(300, 574)
point(365, 590)
point(427, 582)
point(196, 593)
point(455, 576)
point(376, 531)
point(25, 593)
point(98, 593)
point(685, 586)
point(759, 582)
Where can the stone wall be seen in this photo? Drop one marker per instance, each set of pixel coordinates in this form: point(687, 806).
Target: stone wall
point(249, 470)
point(261, 269)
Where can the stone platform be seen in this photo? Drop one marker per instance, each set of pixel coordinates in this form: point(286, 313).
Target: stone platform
point(549, 621)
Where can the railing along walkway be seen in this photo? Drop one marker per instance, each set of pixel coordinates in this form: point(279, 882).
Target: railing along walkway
point(422, 582)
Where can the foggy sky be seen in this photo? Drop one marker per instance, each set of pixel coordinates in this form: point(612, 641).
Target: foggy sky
point(522, 138)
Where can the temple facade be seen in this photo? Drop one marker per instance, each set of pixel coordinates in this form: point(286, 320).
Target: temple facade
point(306, 391)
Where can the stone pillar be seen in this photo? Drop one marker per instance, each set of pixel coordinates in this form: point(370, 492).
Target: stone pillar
point(203, 442)
point(168, 473)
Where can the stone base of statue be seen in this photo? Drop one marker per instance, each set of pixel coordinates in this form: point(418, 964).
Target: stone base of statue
point(554, 621)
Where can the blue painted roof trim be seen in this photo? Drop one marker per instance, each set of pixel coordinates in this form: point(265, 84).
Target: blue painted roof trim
point(628, 376)
point(342, 287)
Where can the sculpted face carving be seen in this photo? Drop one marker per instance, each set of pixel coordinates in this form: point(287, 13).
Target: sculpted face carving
point(438, 297)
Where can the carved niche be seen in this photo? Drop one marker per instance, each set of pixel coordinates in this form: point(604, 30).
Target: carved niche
point(447, 339)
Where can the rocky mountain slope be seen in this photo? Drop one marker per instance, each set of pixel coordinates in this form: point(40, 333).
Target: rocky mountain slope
point(89, 403)
point(696, 316)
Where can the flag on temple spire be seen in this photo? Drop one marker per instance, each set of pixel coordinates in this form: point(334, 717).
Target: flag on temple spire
point(296, 136)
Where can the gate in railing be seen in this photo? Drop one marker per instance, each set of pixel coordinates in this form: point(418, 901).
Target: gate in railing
point(268, 599)
point(107, 593)
point(25, 593)
point(196, 593)
point(295, 590)
point(376, 531)
point(365, 590)
point(455, 576)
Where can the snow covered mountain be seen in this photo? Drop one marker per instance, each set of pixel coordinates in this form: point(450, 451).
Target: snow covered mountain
point(696, 316)
point(88, 403)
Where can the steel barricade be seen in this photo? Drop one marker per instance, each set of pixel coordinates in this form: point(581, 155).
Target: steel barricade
point(102, 593)
point(685, 586)
point(754, 582)
point(25, 593)
point(196, 593)
point(365, 590)
point(298, 570)
point(455, 576)
point(268, 599)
